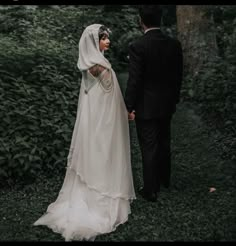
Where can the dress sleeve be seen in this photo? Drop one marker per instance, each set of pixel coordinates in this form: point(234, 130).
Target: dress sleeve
point(106, 81)
point(104, 75)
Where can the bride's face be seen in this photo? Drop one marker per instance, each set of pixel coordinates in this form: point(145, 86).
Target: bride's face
point(104, 42)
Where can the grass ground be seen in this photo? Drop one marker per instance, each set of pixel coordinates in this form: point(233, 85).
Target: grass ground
point(188, 211)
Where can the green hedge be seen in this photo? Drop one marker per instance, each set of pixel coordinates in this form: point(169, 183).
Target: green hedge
point(40, 84)
point(38, 100)
point(40, 81)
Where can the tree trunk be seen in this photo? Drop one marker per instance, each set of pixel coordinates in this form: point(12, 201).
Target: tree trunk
point(196, 32)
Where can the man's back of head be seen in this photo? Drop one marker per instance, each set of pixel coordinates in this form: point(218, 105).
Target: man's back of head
point(150, 15)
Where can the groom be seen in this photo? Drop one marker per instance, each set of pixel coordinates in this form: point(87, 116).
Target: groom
point(153, 90)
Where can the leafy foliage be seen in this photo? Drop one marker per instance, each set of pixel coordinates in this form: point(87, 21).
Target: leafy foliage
point(39, 94)
point(40, 83)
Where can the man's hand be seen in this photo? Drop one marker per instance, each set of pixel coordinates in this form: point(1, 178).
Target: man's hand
point(131, 116)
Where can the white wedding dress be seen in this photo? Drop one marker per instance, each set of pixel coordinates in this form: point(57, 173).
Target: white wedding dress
point(98, 186)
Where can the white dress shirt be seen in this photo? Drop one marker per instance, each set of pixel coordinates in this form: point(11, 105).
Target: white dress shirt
point(152, 28)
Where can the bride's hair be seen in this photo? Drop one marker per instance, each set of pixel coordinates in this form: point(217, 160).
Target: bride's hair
point(103, 32)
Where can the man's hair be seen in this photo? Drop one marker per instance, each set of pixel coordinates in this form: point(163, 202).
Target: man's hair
point(150, 15)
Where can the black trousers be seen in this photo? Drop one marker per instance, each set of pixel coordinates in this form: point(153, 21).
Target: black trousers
point(154, 137)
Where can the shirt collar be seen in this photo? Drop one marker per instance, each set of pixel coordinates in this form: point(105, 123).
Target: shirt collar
point(152, 28)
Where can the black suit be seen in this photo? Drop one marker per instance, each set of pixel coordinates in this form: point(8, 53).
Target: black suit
point(153, 90)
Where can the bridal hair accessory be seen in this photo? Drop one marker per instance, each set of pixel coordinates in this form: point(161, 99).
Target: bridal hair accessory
point(103, 31)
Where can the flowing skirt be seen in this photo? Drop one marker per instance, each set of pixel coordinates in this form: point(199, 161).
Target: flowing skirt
point(98, 187)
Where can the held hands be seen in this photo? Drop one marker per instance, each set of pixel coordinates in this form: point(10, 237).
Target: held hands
point(131, 116)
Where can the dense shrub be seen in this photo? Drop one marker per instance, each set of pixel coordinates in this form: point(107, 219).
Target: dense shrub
point(40, 81)
point(40, 85)
point(38, 99)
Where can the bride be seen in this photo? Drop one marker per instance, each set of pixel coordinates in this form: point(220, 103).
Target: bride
point(98, 186)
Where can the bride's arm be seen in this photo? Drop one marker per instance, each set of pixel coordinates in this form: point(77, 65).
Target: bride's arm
point(104, 75)
point(96, 70)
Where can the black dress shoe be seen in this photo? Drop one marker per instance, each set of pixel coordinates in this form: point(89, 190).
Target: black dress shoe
point(149, 196)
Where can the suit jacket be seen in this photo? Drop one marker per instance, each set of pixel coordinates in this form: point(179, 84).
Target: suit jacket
point(155, 75)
